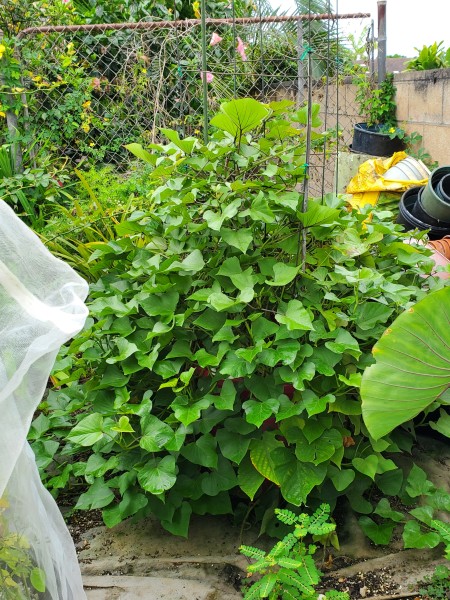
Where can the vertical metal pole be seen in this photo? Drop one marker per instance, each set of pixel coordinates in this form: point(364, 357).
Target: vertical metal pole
point(261, 52)
point(301, 66)
point(381, 41)
point(233, 9)
point(304, 239)
point(336, 170)
point(372, 50)
point(327, 80)
point(204, 71)
point(179, 75)
point(307, 157)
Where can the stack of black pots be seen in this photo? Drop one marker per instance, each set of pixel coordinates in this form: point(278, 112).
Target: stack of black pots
point(428, 207)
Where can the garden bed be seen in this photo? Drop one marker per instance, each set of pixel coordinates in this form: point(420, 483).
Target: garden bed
point(142, 560)
point(145, 557)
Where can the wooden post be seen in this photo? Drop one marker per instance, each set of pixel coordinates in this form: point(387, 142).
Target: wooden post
point(12, 124)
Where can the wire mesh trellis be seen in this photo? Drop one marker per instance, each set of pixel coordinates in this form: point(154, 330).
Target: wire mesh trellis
point(91, 89)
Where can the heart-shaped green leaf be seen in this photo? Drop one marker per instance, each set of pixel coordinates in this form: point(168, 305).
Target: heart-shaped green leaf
point(239, 116)
point(368, 466)
point(157, 476)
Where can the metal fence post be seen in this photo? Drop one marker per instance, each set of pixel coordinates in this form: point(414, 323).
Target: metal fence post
point(204, 72)
point(301, 66)
point(372, 49)
point(381, 41)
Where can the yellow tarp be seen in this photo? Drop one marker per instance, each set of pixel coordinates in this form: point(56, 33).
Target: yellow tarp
point(360, 199)
point(367, 184)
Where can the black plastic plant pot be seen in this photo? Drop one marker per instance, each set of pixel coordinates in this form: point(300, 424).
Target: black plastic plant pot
point(369, 140)
point(432, 202)
point(443, 188)
point(418, 211)
point(409, 221)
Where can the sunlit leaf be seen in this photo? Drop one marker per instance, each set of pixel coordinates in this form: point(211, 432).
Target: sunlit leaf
point(239, 116)
point(141, 153)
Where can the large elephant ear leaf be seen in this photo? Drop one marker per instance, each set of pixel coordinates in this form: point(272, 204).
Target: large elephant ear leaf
point(412, 368)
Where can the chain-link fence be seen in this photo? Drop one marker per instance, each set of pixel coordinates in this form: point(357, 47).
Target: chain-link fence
point(91, 89)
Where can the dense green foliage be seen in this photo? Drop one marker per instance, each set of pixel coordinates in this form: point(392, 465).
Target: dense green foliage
point(96, 200)
point(220, 369)
point(32, 191)
point(377, 102)
point(214, 369)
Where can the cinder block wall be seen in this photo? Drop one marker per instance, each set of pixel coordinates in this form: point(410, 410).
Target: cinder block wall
point(423, 105)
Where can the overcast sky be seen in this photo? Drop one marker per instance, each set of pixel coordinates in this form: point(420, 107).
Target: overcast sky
point(410, 23)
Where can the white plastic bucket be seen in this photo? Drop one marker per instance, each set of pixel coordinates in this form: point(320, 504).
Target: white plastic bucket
point(408, 169)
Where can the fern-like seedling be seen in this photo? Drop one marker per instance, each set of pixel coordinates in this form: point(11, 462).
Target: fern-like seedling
point(444, 531)
point(288, 571)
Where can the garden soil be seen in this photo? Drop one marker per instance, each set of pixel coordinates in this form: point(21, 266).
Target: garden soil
point(143, 561)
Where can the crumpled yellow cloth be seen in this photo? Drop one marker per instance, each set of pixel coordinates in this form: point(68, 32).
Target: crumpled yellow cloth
point(370, 176)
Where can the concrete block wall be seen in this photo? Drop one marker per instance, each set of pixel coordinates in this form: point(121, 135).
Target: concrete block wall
point(423, 105)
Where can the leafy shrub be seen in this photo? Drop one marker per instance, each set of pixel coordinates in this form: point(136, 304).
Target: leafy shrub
point(220, 363)
point(74, 114)
point(33, 191)
point(430, 57)
point(100, 200)
point(112, 189)
point(377, 103)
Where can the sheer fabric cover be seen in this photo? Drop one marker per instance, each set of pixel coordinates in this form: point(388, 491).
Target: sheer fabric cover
point(41, 307)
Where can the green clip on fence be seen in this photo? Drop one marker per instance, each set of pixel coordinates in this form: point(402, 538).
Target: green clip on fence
point(306, 50)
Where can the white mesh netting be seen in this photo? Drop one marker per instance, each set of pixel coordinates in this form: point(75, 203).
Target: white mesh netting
point(41, 307)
